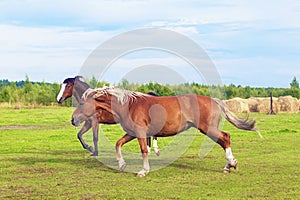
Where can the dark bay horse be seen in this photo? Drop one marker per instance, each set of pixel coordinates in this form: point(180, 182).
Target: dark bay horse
point(76, 87)
point(142, 115)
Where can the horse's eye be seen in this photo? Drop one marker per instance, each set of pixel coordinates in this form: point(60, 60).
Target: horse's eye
point(81, 103)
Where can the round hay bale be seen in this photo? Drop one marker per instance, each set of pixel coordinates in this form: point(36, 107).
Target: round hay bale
point(265, 106)
point(260, 104)
point(253, 103)
point(288, 104)
point(238, 105)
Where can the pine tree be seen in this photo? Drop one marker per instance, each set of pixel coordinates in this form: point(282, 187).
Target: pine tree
point(294, 83)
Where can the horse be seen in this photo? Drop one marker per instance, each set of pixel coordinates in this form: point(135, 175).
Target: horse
point(142, 115)
point(76, 87)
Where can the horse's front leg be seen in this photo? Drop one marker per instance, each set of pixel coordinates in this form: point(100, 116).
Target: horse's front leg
point(87, 125)
point(144, 150)
point(126, 138)
point(95, 128)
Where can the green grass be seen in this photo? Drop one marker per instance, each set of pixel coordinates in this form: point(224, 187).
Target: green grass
point(41, 158)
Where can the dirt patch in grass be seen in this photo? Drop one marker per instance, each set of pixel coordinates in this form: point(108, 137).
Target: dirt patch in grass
point(22, 127)
point(19, 127)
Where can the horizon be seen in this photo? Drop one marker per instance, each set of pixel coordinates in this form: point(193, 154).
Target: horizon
point(114, 84)
point(250, 43)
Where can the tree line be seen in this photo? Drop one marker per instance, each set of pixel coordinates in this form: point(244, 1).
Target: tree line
point(44, 94)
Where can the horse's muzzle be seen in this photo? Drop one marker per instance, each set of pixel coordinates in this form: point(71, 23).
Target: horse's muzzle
point(75, 122)
point(60, 100)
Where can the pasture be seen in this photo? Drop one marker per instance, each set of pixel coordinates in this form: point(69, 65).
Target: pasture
point(41, 158)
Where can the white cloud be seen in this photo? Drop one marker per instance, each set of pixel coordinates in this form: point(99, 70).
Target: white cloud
point(137, 13)
point(47, 53)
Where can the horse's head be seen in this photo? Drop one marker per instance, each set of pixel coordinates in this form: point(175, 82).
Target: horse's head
point(66, 90)
point(71, 85)
point(85, 110)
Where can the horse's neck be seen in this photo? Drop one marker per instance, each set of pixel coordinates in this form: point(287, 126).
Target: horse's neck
point(112, 106)
point(121, 110)
point(78, 91)
point(77, 95)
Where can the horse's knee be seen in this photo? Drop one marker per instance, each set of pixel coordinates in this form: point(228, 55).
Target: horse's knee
point(144, 149)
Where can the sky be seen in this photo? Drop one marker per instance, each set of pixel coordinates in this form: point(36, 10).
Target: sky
point(255, 43)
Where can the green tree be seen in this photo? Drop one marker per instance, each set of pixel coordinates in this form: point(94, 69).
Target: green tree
point(93, 82)
point(27, 85)
point(294, 83)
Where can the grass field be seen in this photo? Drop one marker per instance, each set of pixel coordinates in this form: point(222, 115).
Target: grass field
point(41, 158)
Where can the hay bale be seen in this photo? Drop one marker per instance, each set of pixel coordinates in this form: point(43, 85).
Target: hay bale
point(238, 105)
point(264, 105)
point(288, 104)
point(260, 104)
point(253, 102)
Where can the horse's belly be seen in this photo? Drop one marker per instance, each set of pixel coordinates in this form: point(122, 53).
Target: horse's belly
point(169, 129)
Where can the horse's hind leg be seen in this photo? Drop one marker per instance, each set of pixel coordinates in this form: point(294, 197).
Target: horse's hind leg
point(231, 161)
point(149, 144)
point(155, 146)
point(223, 139)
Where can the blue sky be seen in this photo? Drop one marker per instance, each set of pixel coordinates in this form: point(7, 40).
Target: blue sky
point(250, 42)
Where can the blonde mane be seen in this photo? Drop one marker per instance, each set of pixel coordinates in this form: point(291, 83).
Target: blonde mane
point(122, 95)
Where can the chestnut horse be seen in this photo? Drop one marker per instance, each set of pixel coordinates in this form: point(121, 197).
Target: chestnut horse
point(76, 87)
point(142, 115)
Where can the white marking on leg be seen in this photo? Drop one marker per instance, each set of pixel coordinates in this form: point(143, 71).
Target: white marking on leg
point(229, 155)
point(62, 89)
point(149, 149)
point(122, 164)
point(121, 161)
point(231, 161)
point(155, 147)
point(146, 166)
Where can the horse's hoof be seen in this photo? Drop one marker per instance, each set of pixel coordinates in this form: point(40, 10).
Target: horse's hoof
point(90, 149)
point(230, 164)
point(122, 167)
point(233, 163)
point(122, 164)
point(157, 152)
point(94, 155)
point(226, 170)
point(142, 173)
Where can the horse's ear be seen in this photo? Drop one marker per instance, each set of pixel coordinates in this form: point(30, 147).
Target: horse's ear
point(80, 78)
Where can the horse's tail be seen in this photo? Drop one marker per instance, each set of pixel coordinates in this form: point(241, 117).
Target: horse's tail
point(244, 124)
